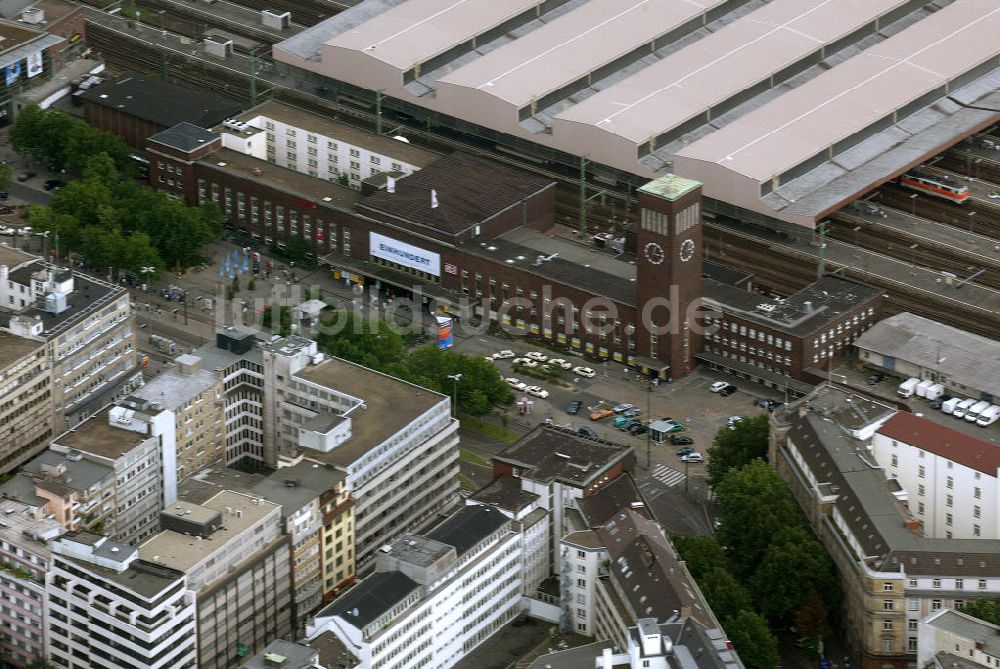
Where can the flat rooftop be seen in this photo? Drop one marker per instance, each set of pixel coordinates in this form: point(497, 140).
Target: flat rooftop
point(969, 359)
point(182, 552)
point(98, 436)
point(80, 475)
point(580, 265)
point(55, 10)
point(468, 526)
point(321, 125)
point(548, 453)
point(967, 627)
point(390, 405)
point(320, 191)
point(802, 313)
point(194, 513)
point(470, 191)
point(184, 136)
point(161, 102)
point(370, 598)
point(206, 483)
point(175, 388)
point(13, 348)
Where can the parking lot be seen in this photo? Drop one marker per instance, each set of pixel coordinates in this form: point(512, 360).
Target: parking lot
point(675, 489)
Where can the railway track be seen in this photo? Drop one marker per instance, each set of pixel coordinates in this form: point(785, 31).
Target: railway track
point(985, 222)
point(769, 259)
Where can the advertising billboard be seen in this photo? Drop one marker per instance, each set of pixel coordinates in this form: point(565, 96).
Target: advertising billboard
point(404, 254)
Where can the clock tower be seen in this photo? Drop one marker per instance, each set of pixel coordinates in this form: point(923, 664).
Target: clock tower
point(668, 275)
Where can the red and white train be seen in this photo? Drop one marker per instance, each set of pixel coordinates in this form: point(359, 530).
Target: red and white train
point(936, 185)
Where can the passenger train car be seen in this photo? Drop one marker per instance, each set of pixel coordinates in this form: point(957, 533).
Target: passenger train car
point(936, 185)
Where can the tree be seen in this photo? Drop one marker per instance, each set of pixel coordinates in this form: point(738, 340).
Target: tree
point(984, 609)
point(757, 647)
point(6, 174)
point(755, 504)
point(700, 553)
point(723, 593)
point(296, 249)
point(89, 201)
point(84, 143)
point(480, 388)
point(65, 229)
point(137, 252)
point(793, 558)
point(736, 447)
point(811, 619)
point(370, 343)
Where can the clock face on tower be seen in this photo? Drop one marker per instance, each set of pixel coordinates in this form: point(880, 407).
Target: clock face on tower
point(654, 253)
point(687, 250)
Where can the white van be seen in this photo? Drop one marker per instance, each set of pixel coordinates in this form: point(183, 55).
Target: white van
point(922, 387)
point(907, 387)
point(949, 406)
point(988, 417)
point(935, 391)
point(962, 407)
point(972, 415)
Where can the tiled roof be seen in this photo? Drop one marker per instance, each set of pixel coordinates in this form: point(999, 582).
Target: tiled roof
point(944, 441)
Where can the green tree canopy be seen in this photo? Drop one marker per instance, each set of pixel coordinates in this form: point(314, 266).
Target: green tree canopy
point(700, 553)
point(6, 174)
point(984, 609)
point(756, 645)
point(726, 596)
point(733, 448)
point(63, 142)
point(793, 558)
point(755, 504)
point(358, 339)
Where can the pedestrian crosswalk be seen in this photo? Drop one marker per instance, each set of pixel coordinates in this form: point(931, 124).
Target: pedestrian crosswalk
point(667, 476)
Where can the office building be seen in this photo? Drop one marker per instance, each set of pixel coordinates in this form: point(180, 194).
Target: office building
point(87, 329)
point(24, 551)
point(316, 512)
point(434, 597)
point(26, 410)
point(395, 442)
point(235, 559)
point(109, 608)
point(237, 361)
point(195, 396)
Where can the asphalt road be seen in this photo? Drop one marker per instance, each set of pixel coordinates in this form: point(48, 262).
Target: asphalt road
point(28, 193)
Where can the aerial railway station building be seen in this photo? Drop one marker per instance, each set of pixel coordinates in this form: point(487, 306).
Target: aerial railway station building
point(785, 110)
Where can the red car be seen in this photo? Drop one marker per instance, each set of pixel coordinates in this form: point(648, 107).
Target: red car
point(5, 210)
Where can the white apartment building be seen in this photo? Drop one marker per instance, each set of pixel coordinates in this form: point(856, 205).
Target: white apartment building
point(318, 146)
point(235, 558)
point(136, 439)
point(433, 598)
point(950, 638)
point(236, 359)
point(25, 560)
point(950, 478)
point(108, 608)
point(397, 443)
point(86, 325)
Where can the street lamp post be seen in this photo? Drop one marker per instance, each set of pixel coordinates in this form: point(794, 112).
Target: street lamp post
point(454, 393)
point(147, 271)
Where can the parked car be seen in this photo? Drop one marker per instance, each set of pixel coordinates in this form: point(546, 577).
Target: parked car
point(516, 384)
point(574, 407)
point(632, 413)
point(585, 372)
point(728, 390)
point(733, 420)
point(939, 402)
point(693, 457)
point(768, 405)
point(717, 386)
point(53, 184)
point(600, 413)
point(623, 407)
point(687, 450)
point(24, 176)
point(536, 355)
point(537, 391)
point(4, 195)
point(527, 362)
point(678, 440)
point(638, 428)
point(5, 210)
point(587, 432)
point(503, 355)
point(561, 363)
point(489, 358)
point(6, 230)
